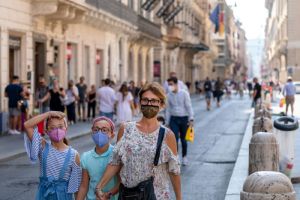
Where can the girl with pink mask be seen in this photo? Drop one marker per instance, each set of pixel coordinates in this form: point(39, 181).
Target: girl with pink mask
point(59, 163)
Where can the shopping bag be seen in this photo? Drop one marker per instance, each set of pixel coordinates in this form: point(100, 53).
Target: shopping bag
point(282, 102)
point(190, 134)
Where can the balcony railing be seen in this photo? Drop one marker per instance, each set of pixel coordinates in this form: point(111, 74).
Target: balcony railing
point(123, 12)
point(148, 27)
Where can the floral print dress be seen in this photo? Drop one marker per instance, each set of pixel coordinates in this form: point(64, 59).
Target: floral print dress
point(135, 152)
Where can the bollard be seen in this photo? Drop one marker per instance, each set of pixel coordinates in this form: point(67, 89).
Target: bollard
point(263, 153)
point(259, 106)
point(263, 113)
point(268, 185)
point(262, 124)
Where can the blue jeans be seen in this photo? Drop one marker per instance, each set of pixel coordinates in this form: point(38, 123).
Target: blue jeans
point(108, 115)
point(179, 126)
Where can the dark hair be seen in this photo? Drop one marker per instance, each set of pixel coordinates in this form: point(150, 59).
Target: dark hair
point(173, 79)
point(124, 90)
point(161, 119)
point(107, 81)
point(15, 77)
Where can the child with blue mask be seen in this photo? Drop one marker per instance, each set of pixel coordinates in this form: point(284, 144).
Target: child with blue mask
point(94, 162)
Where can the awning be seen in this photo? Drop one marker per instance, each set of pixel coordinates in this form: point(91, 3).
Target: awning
point(196, 47)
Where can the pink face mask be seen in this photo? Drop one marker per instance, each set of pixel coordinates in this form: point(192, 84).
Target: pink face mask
point(57, 134)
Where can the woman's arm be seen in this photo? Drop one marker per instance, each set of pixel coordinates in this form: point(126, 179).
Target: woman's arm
point(84, 186)
point(175, 178)
point(111, 171)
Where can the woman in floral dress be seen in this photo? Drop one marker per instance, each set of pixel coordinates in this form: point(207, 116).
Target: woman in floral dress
point(134, 153)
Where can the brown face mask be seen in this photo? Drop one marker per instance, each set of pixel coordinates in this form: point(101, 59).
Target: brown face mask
point(149, 111)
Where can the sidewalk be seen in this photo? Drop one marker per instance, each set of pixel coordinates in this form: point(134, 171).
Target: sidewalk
point(240, 171)
point(13, 145)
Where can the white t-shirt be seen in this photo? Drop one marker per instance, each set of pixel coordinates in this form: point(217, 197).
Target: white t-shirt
point(106, 98)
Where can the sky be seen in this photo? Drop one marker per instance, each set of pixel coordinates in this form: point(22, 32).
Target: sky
point(252, 14)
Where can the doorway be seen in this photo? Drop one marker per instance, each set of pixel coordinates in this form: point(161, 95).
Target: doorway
point(40, 61)
point(14, 56)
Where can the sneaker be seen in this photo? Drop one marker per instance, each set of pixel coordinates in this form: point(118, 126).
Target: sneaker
point(17, 132)
point(185, 161)
point(11, 132)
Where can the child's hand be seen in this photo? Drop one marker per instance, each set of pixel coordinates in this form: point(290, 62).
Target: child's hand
point(56, 114)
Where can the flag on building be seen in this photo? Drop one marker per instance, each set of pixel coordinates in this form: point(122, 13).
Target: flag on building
point(221, 23)
point(214, 17)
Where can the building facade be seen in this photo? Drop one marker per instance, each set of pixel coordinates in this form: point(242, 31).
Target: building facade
point(118, 39)
point(282, 41)
point(231, 62)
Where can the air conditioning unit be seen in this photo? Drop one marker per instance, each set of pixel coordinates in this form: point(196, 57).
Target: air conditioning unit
point(3, 122)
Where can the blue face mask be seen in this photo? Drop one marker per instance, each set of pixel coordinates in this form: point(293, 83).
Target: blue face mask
point(100, 138)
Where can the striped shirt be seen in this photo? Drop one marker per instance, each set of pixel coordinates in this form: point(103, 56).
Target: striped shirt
point(55, 161)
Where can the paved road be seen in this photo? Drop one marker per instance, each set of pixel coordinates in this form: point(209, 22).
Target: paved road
point(212, 155)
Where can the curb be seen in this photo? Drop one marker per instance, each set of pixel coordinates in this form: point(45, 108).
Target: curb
point(240, 170)
point(19, 154)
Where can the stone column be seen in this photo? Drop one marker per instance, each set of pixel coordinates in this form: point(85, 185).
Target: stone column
point(4, 66)
point(268, 186)
point(263, 113)
point(263, 153)
point(262, 124)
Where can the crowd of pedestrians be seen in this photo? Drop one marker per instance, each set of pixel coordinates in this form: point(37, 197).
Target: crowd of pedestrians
point(145, 156)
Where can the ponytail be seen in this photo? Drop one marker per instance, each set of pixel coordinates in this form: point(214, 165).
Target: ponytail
point(66, 141)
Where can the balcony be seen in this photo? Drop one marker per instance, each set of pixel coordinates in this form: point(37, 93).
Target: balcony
point(123, 13)
point(54, 11)
point(149, 28)
point(173, 35)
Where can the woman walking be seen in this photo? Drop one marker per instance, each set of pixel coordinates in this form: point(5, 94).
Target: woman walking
point(57, 94)
point(146, 154)
point(91, 99)
point(124, 105)
point(72, 95)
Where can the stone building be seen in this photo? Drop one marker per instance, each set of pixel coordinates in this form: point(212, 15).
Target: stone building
point(118, 39)
point(282, 41)
point(231, 62)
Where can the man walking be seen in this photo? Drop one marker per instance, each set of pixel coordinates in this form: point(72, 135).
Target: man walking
point(179, 114)
point(14, 93)
point(106, 98)
point(42, 96)
point(289, 92)
point(82, 98)
point(180, 84)
point(208, 92)
point(218, 91)
point(256, 92)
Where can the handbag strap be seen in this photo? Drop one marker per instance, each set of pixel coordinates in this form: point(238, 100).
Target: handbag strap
point(159, 144)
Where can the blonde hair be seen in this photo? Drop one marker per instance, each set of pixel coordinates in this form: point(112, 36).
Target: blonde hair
point(156, 89)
